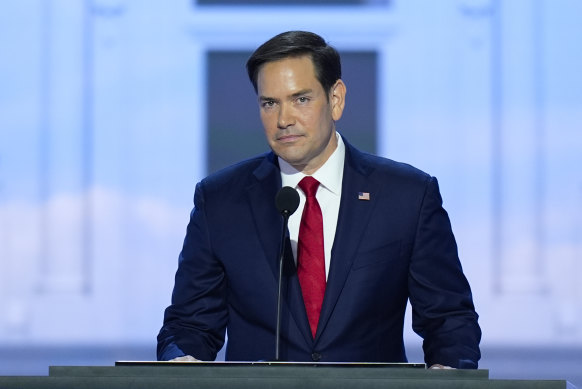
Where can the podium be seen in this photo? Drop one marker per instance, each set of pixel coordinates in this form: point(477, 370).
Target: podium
point(265, 375)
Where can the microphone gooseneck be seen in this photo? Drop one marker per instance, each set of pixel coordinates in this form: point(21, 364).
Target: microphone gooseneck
point(287, 202)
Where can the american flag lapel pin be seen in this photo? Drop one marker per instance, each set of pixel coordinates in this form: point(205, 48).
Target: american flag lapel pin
point(364, 196)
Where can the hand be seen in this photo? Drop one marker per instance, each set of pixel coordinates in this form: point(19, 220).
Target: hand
point(437, 366)
point(185, 358)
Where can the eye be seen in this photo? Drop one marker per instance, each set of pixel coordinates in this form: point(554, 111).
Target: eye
point(267, 104)
point(303, 99)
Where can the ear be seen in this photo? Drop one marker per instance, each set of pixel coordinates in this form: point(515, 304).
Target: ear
point(337, 98)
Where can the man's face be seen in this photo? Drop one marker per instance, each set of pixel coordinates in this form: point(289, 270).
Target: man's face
point(297, 116)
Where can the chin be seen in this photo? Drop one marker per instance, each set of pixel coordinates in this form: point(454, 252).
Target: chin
point(292, 160)
point(288, 154)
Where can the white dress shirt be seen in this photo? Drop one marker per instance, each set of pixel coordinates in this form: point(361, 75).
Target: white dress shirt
point(328, 195)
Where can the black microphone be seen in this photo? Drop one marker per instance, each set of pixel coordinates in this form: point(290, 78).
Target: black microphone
point(286, 201)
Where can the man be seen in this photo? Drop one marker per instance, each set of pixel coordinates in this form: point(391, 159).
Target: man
point(378, 236)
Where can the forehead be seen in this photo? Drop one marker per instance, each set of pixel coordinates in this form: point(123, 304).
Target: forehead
point(287, 73)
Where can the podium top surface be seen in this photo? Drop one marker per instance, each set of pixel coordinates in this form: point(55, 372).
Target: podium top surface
point(274, 363)
point(285, 370)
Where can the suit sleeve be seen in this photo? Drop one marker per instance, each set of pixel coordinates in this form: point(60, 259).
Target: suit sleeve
point(443, 313)
point(195, 322)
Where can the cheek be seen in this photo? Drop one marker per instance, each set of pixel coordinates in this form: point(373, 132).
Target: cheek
point(309, 119)
point(317, 120)
point(268, 121)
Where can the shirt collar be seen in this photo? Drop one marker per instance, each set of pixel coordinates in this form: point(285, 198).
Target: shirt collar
point(329, 175)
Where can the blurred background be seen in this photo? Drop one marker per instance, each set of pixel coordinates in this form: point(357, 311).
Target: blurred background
point(112, 110)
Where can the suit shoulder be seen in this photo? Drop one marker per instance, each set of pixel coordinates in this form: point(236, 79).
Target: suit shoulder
point(393, 169)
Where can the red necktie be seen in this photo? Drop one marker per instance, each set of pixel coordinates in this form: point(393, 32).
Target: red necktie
point(310, 254)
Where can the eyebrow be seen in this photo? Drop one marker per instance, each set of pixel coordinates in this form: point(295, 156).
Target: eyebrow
point(293, 96)
point(301, 93)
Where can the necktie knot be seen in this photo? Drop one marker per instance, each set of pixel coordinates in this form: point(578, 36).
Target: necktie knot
point(309, 186)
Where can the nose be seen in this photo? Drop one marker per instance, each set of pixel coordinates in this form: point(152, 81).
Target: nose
point(285, 118)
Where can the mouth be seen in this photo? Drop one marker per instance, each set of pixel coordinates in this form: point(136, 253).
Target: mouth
point(288, 138)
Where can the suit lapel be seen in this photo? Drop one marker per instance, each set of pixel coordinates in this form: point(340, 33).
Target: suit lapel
point(353, 217)
point(261, 193)
point(268, 222)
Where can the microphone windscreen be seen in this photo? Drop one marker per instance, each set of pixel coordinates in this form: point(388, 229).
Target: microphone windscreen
point(287, 200)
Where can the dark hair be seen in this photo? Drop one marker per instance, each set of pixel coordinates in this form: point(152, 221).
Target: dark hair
point(326, 60)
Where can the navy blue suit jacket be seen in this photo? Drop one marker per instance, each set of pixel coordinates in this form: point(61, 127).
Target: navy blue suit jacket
point(397, 246)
